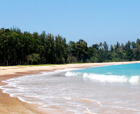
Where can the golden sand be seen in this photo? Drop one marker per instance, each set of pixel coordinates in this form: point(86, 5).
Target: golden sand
point(10, 105)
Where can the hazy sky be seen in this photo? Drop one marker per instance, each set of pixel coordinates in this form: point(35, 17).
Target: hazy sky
point(94, 21)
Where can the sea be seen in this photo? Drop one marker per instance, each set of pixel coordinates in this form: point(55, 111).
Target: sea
point(113, 89)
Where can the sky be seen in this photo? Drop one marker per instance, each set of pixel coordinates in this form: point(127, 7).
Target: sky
point(94, 21)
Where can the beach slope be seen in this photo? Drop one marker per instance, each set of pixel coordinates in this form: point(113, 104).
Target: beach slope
point(12, 105)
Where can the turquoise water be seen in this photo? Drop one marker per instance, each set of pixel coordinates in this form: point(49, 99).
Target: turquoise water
point(126, 69)
point(114, 73)
point(102, 90)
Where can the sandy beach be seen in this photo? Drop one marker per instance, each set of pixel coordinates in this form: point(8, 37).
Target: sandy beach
point(10, 105)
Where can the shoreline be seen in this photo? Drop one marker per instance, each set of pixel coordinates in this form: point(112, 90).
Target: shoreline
point(14, 105)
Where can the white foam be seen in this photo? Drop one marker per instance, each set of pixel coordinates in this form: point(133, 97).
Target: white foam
point(87, 111)
point(134, 79)
point(67, 98)
point(19, 87)
point(105, 77)
point(23, 100)
point(99, 103)
point(59, 71)
point(72, 73)
point(14, 90)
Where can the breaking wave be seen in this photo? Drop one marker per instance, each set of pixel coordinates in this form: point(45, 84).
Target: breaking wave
point(105, 77)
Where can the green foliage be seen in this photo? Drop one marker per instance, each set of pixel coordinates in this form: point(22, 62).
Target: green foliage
point(93, 59)
point(81, 47)
point(137, 54)
point(21, 48)
point(129, 54)
point(33, 58)
point(105, 46)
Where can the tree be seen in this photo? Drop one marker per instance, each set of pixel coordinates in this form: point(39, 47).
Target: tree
point(50, 49)
point(129, 54)
point(33, 58)
point(72, 52)
point(111, 48)
point(138, 41)
point(61, 49)
point(96, 46)
point(105, 46)
point(128, 45)
point(117, 46)
point(137, 54)
point(92, 54)
point(81, 47)
point(42, 47)
point(120, 53)
point(18, 47)
point(134, 45)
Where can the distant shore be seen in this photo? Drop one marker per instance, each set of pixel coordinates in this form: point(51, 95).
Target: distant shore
point(13, 105)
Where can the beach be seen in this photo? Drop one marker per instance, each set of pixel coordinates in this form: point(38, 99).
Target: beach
point(12, 105)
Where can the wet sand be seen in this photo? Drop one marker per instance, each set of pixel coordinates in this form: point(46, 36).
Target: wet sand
point(12, 105)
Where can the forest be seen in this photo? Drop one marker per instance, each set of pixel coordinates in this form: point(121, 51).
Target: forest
point(24, 48)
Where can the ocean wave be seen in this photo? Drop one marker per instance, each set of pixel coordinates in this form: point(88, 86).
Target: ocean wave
point(105, 77)
point(73, 74)
point(59, 71)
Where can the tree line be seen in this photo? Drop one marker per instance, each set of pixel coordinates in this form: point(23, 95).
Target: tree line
point(23, 48)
